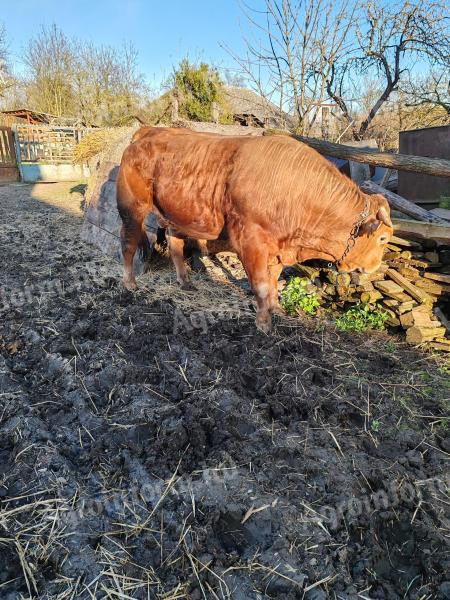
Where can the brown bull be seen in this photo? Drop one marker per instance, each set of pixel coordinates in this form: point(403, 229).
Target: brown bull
point(277, 201)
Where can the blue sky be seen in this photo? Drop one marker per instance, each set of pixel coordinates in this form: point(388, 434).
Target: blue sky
point(163, 31)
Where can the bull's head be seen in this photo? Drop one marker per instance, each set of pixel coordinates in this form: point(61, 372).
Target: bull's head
point(373, 235)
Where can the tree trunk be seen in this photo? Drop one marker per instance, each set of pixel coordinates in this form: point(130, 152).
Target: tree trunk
point(402, 162)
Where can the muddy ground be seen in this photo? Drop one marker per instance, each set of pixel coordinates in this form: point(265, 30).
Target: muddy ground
point(155, 445)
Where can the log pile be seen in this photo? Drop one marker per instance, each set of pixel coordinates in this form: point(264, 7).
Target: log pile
point(407, 286)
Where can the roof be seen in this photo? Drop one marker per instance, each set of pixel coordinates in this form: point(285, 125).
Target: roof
point(244, 101)
point(26, 113)
point(35, 117)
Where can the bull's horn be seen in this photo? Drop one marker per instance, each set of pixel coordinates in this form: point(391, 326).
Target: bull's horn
point(382, 215)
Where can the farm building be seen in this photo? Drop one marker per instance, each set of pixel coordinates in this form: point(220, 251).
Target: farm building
point(251, 109)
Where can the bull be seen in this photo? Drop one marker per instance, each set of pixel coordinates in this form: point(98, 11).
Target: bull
point(276, 200)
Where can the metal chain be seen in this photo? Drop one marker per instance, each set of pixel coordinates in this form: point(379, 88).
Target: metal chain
point(354, 233)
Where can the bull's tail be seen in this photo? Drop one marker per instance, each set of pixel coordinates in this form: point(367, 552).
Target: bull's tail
point(134, 202)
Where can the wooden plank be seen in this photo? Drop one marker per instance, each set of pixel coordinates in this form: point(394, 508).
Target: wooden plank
point(409, 287)
point(402, 204)
point(392, 289)
point(432, 231)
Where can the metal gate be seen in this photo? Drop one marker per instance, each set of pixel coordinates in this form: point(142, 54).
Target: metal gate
point(8, 163)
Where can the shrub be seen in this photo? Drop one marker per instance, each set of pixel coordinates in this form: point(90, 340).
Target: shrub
point(297, 296)
point(200, 86)
point(362, 317)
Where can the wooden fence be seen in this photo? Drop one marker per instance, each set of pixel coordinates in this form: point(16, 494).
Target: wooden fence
point(47, 143)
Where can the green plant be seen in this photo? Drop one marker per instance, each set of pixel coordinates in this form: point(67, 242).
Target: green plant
point(362, 317)
point(390, 347)
point(298, 296)
point(375, 425)
point(444, 202)
point(199, 86)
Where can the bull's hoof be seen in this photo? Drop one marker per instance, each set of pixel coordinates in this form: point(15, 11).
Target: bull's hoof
point(187, 286)
point(130, 284)
point(264, 323)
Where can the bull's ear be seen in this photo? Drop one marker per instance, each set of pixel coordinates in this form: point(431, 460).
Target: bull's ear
point(383, 216)
point(369, 226)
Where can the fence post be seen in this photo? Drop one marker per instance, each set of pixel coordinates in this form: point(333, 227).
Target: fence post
point(175, 104)
point(17, 150)
point(215, 112)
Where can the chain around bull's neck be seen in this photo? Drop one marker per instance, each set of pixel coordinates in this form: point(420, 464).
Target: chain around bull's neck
point(354, 232)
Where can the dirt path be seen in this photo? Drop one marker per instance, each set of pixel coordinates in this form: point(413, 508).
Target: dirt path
point(155, 445)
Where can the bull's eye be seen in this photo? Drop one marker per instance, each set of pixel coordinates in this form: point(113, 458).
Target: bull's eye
point(383, 239)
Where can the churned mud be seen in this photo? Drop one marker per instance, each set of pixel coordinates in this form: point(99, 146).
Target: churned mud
point(156, 445)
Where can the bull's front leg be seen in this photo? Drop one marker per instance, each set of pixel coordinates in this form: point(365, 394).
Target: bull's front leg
point(176, 249)
point(275, 268)
point(254, 257)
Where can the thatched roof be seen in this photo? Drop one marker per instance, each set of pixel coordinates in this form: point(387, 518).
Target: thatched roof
point(244, 101)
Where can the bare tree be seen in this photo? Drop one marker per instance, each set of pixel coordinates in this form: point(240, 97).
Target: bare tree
point(50, 58)
point(390, 39)
point(106, 83)
point(432, 91)
point(6, 79)
point(305, 51)
point(96, 84)
point(296, 44)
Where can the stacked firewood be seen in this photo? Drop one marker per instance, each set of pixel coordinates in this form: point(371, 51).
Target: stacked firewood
point(407, 286)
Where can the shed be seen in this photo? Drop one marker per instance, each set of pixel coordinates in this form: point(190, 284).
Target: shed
point(432, 142)
point(34, 117)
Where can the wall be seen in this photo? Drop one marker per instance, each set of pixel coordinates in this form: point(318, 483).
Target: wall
point(33, 172)
point(433, 142)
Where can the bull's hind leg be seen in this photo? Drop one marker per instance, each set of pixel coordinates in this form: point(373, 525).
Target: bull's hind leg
point(176, 248)
point(133, 203)
point(130, 237)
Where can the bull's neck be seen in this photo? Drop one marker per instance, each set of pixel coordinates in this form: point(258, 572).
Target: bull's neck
point(329, 233)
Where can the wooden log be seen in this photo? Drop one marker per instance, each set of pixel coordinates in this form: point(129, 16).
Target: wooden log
point(360, 278)
point(419, 335)
point(407, 243)
point(392, 289)
point(409, 288)
point(418, 319)
point(408, 272)
point(431, 287)
point(401, 162)
point(402, 204)
point(307, 271)
point(438, 277)
point(365, 287)
point(442, 347)
point(371, 297)
point(391, 303)
point(405, 307)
